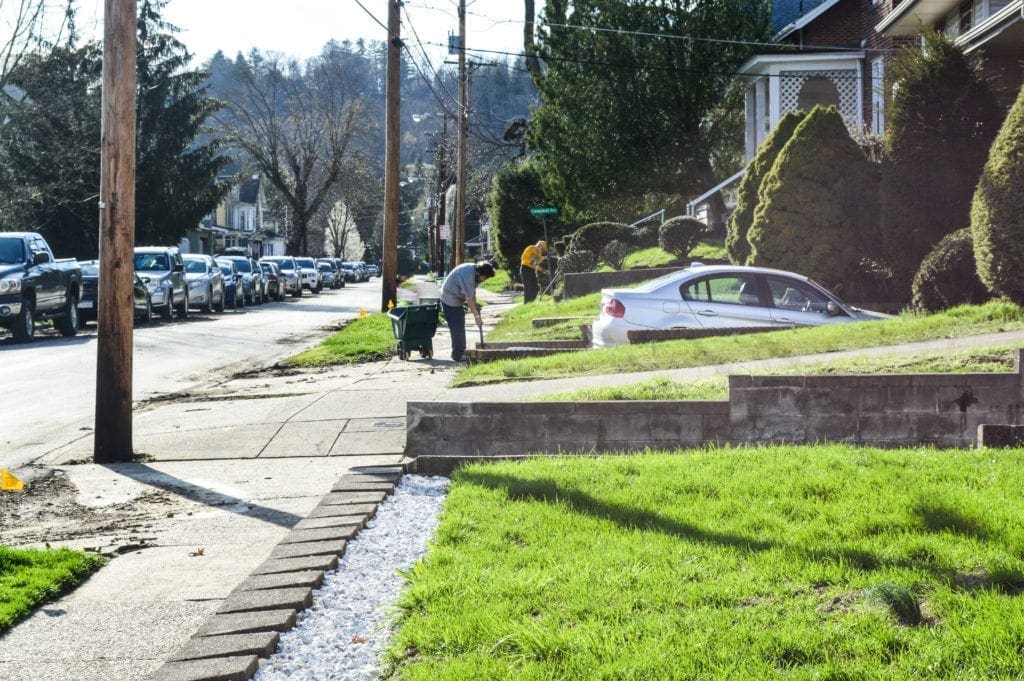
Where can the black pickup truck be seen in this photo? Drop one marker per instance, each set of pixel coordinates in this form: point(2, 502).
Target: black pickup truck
point(34, 285)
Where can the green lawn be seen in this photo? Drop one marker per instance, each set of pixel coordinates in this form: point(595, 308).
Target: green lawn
point(983, 360)
point(365, 339)
point(30, 577)
point(960, 321)
point(780, 562)
point(517, 323)
point(499, 283)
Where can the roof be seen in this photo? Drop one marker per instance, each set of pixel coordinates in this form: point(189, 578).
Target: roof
point(786, 12)
point(802, 21)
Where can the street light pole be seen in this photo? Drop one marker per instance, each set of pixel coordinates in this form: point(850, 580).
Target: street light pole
point(115, 344)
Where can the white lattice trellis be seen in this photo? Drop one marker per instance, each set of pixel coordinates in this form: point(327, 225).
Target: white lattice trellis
point(845, 81)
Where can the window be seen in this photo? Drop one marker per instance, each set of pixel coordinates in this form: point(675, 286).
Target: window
point(790, 294)
point(728, 288)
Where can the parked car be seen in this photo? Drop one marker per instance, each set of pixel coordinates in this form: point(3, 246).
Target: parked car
point(275, 280)
point(373, 270)
point(35, 285)
point(163, 272)
point(290, 270)
point(328, 275)
point(205, 282)
point(720, 296)
point(310, 274)
point(350, 272)
point(252, 278)
point(234, 295)
point(87, 306)
point(362, 274)
point(339, 273)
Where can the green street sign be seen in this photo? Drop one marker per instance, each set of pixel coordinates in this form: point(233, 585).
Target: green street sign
point(546, 210)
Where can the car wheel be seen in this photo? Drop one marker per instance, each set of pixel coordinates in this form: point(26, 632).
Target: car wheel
point(68, 323)
point(297, 293)
point(220, 301)
point(24, 329)
point(208, 305)
point(237, 300)
point(147, 316)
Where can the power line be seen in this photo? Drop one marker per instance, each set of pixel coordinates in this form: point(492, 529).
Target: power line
point(373, 16)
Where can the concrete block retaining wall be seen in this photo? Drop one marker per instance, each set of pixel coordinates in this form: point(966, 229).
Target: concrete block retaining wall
point(943, 410)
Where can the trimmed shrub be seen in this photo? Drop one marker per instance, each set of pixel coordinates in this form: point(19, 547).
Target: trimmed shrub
point(647, 236)
point(680, 235)
point(940, 124)
point(997, 215)
point(948, 276)
point(594, 236)
point(578, 261)
point(815, 213)
point(736, 244)
point(614, 253)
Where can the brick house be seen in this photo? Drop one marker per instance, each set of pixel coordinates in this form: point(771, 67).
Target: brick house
point(836, 52)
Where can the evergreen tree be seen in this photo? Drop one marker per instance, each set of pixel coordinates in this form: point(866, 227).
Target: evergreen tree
point(50, 149)
point(636, 105)
point(939, 126)
point(814, 208)
point(736, 244)
point(516, 189)
point(997, 214)
point(176, 166)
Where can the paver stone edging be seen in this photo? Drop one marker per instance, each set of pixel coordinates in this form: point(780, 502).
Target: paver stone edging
point(247, 625)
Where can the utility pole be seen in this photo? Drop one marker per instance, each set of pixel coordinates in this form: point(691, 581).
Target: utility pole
point(389, 246)
point(442, 192)
point(459, 236)
point(115, 348)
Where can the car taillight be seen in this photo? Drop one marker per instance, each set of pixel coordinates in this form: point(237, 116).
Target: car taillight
point(614, 308)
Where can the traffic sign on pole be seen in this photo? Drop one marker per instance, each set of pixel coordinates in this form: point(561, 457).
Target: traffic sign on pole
point(544, 210)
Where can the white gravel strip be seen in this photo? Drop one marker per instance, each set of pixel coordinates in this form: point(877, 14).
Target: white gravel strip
point(344, 634)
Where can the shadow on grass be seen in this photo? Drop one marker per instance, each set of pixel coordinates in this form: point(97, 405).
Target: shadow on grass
point(1008, 581)
point(549, 491)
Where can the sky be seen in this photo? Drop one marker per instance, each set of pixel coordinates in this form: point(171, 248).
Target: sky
point(300, 28)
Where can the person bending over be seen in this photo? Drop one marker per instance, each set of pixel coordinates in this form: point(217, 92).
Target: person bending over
point(460, 289)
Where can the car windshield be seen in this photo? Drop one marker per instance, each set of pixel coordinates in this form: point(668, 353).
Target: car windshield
point(243, 265)
point(195, 266)
point(11, 250)
point(225, 269)
point(269, 269)
point(285, 264)
point(306, 262)
point(151, 262)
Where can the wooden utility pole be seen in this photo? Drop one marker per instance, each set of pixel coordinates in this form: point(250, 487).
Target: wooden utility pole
point(442, 193)
point(113, 436)
point(459, 235)
point(392, 160)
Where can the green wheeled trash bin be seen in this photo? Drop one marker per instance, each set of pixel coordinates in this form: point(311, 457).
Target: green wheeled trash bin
point(414, 327)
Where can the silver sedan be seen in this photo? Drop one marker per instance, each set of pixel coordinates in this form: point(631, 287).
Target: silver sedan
point(720, 296)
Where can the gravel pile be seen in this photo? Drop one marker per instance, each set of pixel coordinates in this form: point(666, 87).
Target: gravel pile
point(344, 634)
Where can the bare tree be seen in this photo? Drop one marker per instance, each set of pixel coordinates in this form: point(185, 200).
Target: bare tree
point(297, 123)
point(24, 29)
point(342, 236)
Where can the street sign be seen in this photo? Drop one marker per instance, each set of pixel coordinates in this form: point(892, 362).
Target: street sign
point(546, 210)
point(444, 232)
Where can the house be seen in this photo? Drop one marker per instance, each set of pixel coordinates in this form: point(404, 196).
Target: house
point(236, 221)
point(837, 52)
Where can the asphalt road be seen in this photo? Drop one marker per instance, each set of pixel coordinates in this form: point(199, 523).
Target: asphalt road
point(48, 387)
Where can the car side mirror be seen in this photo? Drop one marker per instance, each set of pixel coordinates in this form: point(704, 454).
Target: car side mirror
point(179, 267)
point(41, 258)
point(833, 309)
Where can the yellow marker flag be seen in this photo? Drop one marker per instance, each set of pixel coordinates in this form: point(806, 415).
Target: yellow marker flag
point(9, 483)
point(391, 304)
point(362, 313)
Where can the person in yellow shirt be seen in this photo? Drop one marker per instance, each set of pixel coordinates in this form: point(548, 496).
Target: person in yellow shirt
point(532, 263)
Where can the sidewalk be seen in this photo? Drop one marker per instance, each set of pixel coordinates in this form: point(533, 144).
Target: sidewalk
point(231, 472)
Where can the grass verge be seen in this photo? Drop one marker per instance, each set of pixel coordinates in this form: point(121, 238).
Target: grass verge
point(983, 360)
point(960, 321)
point(829, 562)
point(30, 577)
point(499, 283)
point(365, 339)
point(517, 323)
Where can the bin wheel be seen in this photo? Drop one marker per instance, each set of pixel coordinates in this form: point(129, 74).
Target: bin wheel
point(426, 353)
point(403, 355)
